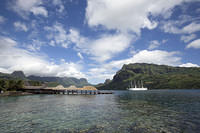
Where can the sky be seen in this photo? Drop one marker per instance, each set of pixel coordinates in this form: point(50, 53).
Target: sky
point(93, 39)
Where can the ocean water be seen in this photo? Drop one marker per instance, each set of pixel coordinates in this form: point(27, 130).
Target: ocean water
point(155, 111)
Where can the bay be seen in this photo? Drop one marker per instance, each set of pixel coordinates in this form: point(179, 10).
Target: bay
point(149, 111)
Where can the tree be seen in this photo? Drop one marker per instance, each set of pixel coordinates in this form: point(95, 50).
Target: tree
point(12, 85)
point(3, 85)
point(19, 84)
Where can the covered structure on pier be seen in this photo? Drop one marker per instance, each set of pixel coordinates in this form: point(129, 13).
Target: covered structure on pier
point(61, 90)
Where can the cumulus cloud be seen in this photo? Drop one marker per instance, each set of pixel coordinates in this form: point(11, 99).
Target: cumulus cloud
point(194, 44)
point(128, 15)
point(20, 26)
point(156, 57)
point(189, 65)
point(100, 49)
point(187, 38)
point(175, 28)
point(105, 47)
point(60, 36)
point(192, 27)
point(14, 58)
point(25, 7)
point(185, 24)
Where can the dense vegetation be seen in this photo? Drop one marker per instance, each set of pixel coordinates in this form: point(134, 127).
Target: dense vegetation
point(10, 85)
point(155, 77)
point(65, 81)
point(49, 81)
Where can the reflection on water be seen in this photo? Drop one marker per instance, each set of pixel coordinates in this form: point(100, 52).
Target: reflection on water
point(125, 111)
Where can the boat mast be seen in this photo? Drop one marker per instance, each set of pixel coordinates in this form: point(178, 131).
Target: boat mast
point(135, 84)
point(142, 84)
point(131, 85)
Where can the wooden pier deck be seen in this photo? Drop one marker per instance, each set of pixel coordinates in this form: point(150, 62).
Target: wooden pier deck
point(72, 90)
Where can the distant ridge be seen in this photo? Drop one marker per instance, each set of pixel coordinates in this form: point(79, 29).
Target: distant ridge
point(50, 81)
point(155, 77)
point(65, 81)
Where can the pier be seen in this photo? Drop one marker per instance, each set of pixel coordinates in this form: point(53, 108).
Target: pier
point(72, 90)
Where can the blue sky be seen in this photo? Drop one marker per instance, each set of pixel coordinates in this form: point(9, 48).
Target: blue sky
point(93, 38)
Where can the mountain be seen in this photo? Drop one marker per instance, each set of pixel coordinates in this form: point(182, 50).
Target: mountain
point(155, 77)
point(14, 75)
point(50, 81)
point(18, 74)
point(65, 81)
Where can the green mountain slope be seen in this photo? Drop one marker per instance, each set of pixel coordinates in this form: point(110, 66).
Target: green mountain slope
point(155, 77)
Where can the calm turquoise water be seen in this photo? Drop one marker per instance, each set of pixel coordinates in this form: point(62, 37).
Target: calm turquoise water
point(173, 111)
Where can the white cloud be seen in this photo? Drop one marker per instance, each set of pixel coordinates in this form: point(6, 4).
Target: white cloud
point(14, 58)
point(39, 11)
point(105, 47)
point(159, 57)
point(80, 55)
point(20, 26)
point(61, 8)
point(75, 37)
point(191, 28)
point(187, 38)
point(7, 42)
point(194, 44)
point(25, 7)
point(57, 35)
point(101, 49)
point(99, 74)
point(164, 41)
point(154, 44)
point(52, 43)
point(2, 19)
point(176, 27)
point(4, 70)
point(60, 4)
point(127, 15)
point(35, 45)
point(156, 57)
point(189, 65)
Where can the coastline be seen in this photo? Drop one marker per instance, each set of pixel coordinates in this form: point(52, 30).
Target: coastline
point(14, 93)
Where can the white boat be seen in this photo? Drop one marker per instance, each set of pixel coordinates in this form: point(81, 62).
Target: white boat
point(137, 88)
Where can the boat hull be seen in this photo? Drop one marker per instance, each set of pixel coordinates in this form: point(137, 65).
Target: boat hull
point(138, 89)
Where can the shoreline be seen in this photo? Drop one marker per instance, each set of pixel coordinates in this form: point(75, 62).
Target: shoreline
point(14, 93)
